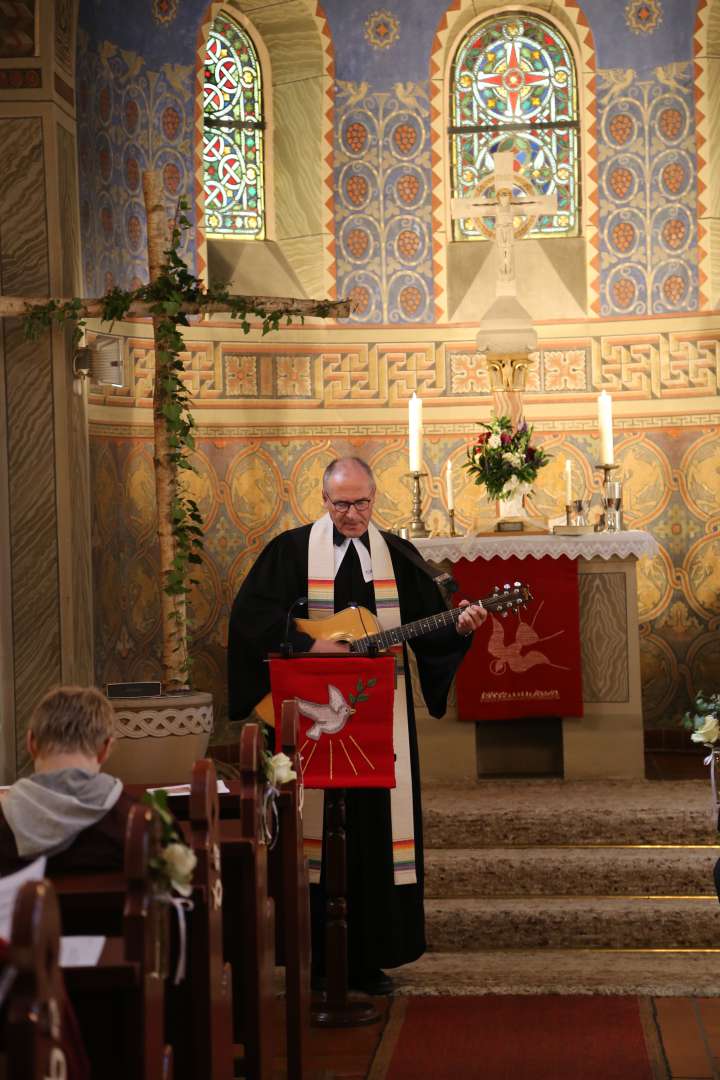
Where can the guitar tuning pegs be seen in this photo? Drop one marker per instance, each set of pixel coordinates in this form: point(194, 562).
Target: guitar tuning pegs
point(506, 587)
point(517, 584)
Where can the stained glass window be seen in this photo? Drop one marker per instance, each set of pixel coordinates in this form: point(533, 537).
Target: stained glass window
point(514, 88)
point(233, 134)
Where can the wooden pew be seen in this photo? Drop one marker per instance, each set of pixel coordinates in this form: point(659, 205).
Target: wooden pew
point(249, 927)
point(203, 1003)
point(289, 888)
point(120, 1003)
point(34, 1010)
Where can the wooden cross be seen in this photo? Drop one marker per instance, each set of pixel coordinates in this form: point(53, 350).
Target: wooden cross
point(175, 646)
point(504, 207)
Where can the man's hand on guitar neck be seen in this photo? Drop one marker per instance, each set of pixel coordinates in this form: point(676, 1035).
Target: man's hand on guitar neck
point(471, 619)
point(323, 645)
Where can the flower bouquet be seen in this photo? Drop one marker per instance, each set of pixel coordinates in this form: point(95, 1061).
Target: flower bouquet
point(704, 723)
point(504, 460)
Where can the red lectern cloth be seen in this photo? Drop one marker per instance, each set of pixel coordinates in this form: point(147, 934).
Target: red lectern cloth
point(527, 664)
point(346, 718)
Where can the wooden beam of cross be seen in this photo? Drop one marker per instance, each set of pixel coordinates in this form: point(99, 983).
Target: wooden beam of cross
point(504, 207)
point(175, 511)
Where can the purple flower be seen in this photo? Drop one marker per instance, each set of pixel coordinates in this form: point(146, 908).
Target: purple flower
point(530, 453)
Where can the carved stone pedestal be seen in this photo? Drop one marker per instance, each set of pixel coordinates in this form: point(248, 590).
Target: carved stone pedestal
point(158, 739)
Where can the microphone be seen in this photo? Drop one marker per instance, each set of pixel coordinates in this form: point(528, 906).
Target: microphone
point(286, 649)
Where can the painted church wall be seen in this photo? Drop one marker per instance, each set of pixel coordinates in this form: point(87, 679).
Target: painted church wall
point(271, 413)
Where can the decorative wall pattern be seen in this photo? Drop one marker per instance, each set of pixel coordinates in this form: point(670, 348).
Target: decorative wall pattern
point(648, 200)
point(251, 485)
point(130, 119)
point(651, 366)
point(382, 203)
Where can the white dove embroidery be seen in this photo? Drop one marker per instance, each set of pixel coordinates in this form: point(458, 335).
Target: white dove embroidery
point(330, 718)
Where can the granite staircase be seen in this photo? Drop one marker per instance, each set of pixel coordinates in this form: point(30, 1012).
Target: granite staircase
point(596, 887)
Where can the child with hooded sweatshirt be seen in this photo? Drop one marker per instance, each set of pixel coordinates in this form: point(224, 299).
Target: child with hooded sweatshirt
point(68, 809)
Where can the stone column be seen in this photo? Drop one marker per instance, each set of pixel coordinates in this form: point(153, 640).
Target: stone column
point(45, 569)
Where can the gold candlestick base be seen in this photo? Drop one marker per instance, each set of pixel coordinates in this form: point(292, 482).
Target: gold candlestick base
point(417, 525)
point(451, 515)
point(568, 513)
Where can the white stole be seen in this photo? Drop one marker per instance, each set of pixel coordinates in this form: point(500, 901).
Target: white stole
point(321, 588)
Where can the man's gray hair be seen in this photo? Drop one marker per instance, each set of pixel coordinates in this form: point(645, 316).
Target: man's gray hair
point(338, 463)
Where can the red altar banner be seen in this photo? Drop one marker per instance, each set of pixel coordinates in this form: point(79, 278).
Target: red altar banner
point(345, 732)
point(527, 664)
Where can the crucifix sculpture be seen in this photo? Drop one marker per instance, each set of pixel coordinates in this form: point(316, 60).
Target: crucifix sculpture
point(172, 295)
point(504, 208)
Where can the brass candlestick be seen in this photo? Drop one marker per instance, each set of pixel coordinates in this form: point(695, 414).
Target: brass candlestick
point(568, 513)
point(417, 525)
point(451, 515)
point(607, 470)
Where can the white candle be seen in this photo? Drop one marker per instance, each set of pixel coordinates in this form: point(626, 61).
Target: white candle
point(449, 486)
point(568, 482)
point(415, 433)
point(607, 456)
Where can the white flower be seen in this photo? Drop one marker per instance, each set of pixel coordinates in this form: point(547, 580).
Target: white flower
point(524, 488)
point(278, 770)
point(709, 732)
point(510, 485)
point(494, 441)
point(180, 862)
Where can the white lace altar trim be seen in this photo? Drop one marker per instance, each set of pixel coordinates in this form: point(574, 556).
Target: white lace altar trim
point(158, 723)
point(631, 543)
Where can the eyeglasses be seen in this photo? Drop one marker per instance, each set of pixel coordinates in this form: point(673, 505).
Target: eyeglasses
point(343, 505)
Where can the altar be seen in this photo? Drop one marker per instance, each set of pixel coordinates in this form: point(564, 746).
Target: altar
point(606, 741)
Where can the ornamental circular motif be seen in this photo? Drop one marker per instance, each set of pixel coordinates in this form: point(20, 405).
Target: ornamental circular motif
point(171, 178)
point(623, 236)
point(410, 300)
point(355, 137)
point(356, 189)
point(405, 137)
point(623, 291)
point(359, 300)
point(106, 220)
point(659, 675)
point(407, 188)
point(170, 122)
point(104, 104)
point(134, 232)
point(164, 11)
point(674, 233)
point(702, 566)
point(621, 128)
point(105, 162)
point(382, 29)
point(620, 181)
point(357, 243)
point(701, 469)
point(673, 177)
point(643, 16)
point(132, 115)
point(408, 243)
point(132, 173)
point(674, 288)
point(671, 122)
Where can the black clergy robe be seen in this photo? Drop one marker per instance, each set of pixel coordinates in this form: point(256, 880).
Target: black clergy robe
point(385, 921)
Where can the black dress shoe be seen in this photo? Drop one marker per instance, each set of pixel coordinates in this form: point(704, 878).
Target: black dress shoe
point(373, 981)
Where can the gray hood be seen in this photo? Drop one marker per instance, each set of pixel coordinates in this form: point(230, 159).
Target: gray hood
point(48, 810)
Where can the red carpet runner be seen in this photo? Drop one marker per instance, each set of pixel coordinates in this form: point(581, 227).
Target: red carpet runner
point(520, 1038)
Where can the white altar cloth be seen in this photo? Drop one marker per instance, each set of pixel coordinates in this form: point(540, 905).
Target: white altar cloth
point(630, 543)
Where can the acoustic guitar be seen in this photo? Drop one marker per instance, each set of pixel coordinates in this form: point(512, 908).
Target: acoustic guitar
point(362, 632)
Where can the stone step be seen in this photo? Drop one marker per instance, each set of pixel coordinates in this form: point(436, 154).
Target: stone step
point(556, 923)
point(563, 971)
point(553, 812)
point(576, 871)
